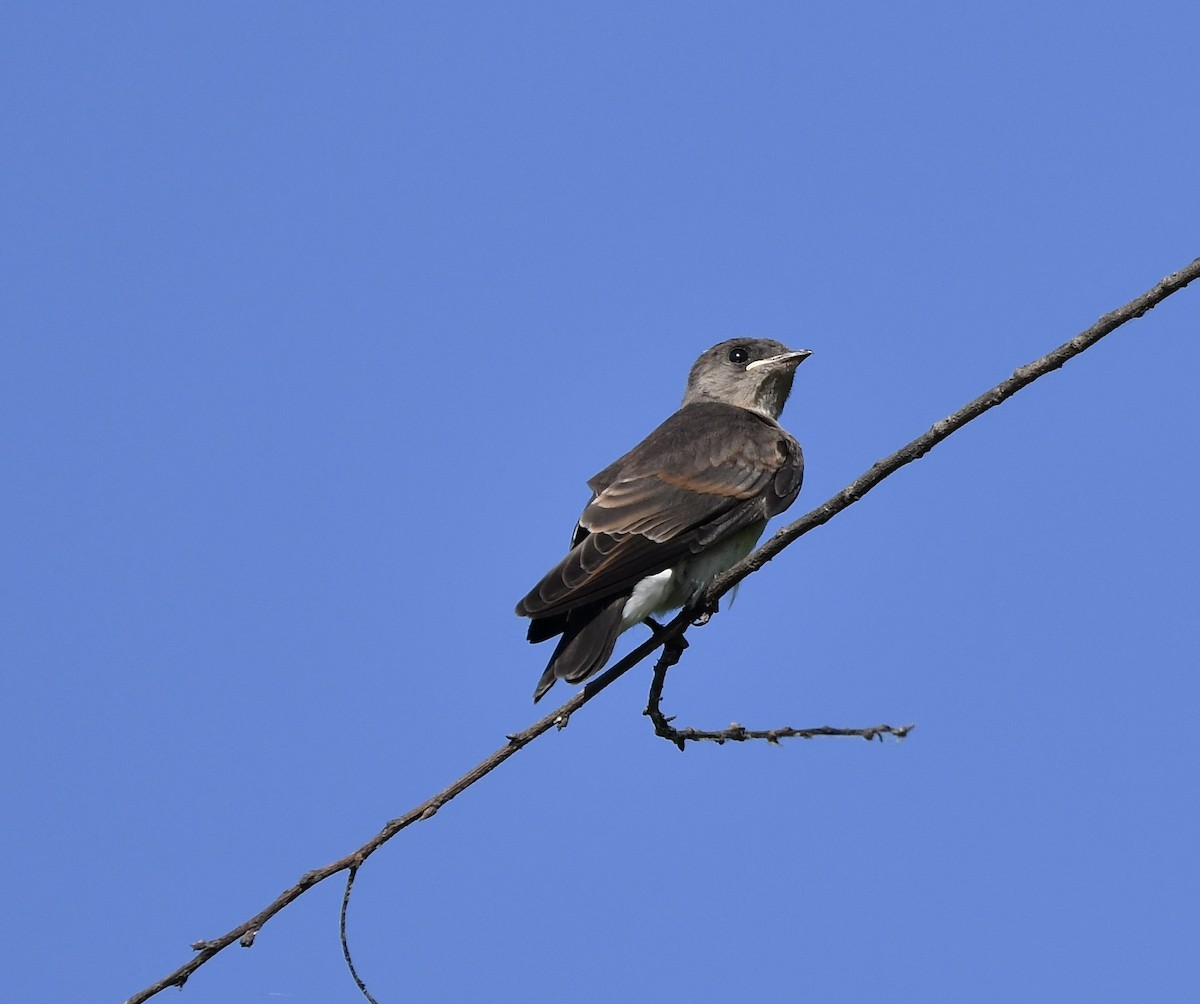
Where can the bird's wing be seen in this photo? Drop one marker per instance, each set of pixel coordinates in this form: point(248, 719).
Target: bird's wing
point(705, 473)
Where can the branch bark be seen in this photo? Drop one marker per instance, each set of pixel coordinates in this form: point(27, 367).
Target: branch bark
point(915, 450)
point(245, 932)
point(739, 733)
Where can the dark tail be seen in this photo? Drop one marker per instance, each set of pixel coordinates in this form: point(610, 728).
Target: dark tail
point(586, 643)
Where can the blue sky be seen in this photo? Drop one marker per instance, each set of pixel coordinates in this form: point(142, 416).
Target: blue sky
point(318, 317)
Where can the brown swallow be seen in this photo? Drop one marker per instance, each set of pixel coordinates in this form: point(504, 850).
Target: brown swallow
point(678, 509)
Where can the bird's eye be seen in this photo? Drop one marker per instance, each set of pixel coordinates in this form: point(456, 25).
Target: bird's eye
point(738, 354)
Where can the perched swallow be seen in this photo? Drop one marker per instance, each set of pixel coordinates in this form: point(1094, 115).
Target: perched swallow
point(678, 509)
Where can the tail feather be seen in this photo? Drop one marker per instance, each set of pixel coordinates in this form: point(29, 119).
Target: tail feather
point(587, 642)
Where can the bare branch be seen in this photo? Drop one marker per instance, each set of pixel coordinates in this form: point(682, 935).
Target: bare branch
point(342, 934)
point(739, 733)
point(1020, 379)
point(559, 718)
point(246, 931)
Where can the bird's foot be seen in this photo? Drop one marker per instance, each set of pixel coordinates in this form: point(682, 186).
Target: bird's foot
point(680, 642)
point(702, 613)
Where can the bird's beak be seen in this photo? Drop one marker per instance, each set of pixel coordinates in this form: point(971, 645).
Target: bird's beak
point(785, 360)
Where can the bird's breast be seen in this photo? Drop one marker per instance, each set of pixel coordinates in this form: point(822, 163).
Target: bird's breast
point(696, 572)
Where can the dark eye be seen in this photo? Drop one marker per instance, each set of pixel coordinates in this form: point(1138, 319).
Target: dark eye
point(739, 354)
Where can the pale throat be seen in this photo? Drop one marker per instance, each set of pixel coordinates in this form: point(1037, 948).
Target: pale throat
point(766, 397)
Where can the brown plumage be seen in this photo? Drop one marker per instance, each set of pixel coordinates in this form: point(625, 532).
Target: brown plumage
point(683, 504)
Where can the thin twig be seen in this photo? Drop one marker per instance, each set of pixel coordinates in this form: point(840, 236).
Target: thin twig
point(672, 651)
point(739, 733)
point(342, 933)
point(246, 931)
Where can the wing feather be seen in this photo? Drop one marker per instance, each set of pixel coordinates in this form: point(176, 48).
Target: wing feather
point(707, 472)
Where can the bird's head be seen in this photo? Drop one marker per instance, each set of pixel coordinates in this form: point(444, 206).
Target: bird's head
point(751, 373)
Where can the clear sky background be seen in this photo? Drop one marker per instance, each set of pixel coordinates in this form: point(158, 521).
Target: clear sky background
point(316, 318)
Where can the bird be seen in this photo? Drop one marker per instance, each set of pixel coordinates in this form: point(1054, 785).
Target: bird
point(686, 503)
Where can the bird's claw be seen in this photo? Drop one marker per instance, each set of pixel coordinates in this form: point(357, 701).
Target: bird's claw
point(679, 641)
point(704, 612)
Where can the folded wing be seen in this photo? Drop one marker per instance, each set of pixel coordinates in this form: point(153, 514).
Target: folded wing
point(707, 472)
